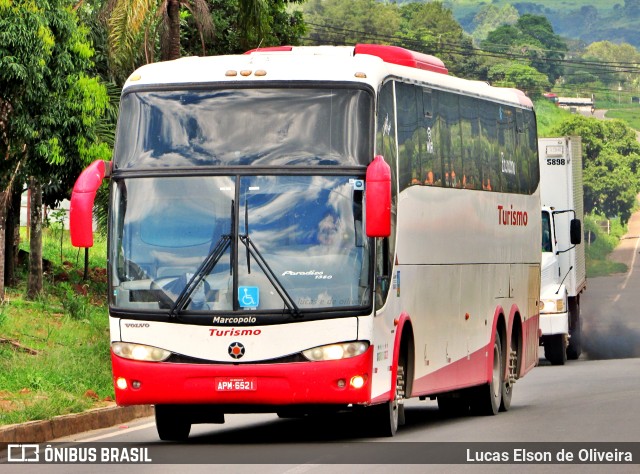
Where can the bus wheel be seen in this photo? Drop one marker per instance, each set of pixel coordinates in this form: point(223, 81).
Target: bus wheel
point(507, 385)
point(388, 416)
point(555, 349)
point(400, 392)
point(384, 418)
point(488, 397)
point(170, 424)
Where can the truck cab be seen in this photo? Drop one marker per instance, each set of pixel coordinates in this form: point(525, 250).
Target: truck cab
point(563, 273)
point(557, 280)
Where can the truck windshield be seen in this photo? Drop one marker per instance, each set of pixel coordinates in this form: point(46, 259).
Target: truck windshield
point(546, 232)
point(274, 243)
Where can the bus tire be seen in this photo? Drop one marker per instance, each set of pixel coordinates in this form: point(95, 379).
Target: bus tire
point(401, 389)
point(171, 425)
point(555, 350)
point(384, 418)
point(387, 416)
point(488, 397)
point(511, 363)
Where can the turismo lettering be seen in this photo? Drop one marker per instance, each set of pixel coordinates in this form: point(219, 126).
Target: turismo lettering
point(234, 332)
point(511, 217)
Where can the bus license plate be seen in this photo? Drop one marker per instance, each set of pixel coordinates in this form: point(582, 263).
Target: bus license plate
point(236, 384)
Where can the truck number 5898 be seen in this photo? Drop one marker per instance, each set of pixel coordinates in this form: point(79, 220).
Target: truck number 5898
point(556, 161)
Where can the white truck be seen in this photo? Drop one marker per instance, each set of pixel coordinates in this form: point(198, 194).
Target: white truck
point(563, 273)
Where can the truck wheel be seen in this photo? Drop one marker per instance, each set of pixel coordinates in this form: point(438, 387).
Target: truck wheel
point(555, 350)
point(171, 425)
point(574, 349)
point(488, 398)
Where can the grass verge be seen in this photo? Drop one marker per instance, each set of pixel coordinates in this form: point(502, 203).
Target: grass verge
point(54, 351)
point(631, 116)
point(601, 239)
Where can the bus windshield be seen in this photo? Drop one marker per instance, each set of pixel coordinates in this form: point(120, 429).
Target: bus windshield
point(274, 243)
point(239, 127)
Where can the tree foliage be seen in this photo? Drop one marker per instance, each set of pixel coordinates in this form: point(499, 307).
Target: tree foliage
point(280, 22)
point(140, 31)
point(53, 106)
point(432, 27)
point(427, 27)
point(520, 76)
point(627, 57)
point(346, 23)
point(531, 38)
point(490, 17)
point(611, 161)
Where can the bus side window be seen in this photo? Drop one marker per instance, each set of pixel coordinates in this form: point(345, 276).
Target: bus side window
point(383, 272)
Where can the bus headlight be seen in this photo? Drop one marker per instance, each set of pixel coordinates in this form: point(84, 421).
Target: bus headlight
point(336, 351)
point(139, 352)
point(553, 305)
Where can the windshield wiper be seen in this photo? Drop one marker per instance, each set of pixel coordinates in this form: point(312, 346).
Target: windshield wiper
point(204, 269)
point(266, 268)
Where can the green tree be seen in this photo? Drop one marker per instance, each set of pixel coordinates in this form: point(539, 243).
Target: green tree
point(50, 129)
point(433, 29)
point(141, 30)
point(490, 17)
point(25, 45)
point(426, 27)
point(611, 162)
point(136, 26)
point(609, 186)
point(520, 76)
point(282, 24)
point(341, 22)
point(530, 38)
point(626, 55)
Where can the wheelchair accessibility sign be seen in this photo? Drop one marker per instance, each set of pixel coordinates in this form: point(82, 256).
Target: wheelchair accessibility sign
point(248, 296)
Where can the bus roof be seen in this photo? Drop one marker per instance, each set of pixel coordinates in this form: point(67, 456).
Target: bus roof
point(363, 63)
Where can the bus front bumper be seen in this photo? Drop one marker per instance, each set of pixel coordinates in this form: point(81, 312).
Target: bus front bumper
point(299, 383)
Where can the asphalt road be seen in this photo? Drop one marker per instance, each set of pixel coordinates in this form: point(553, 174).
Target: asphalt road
point(609, 307)
point(582, 402)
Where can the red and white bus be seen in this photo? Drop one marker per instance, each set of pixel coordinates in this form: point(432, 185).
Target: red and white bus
point(300, 229)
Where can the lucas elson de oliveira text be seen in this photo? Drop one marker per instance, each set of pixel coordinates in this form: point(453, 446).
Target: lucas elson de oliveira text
point(563, 455)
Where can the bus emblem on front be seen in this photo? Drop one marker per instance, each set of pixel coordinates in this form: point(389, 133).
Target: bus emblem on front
point(236, 350)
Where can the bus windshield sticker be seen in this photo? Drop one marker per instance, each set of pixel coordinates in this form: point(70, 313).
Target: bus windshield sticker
point(248, 296)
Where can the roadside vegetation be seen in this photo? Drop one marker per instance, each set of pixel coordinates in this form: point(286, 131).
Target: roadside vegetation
point(54, 349)
point(630, 115)
point(549, 117)
point(601, 236)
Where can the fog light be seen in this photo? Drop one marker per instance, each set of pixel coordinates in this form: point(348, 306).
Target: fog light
point(341, 383)
point(136, 384)
point(357, 381)
point(121, 383)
